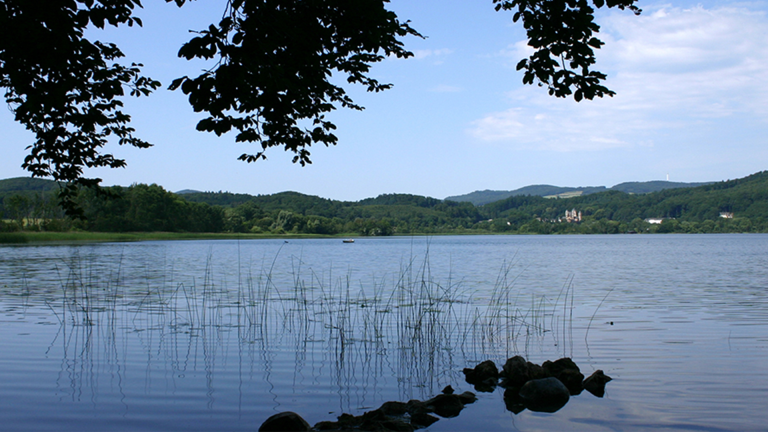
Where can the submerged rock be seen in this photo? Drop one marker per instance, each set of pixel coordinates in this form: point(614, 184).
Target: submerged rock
point(545, 388)
point(544, 394)
point(517, 371)
point(595, 383)
point(512, 401)
point(422, 419)
point(401, 416)
point(284, 422)
point(394, 408)
point(467, 398)
point(376, 420)
point(484, 376)
point(567, 372)
point(445, 405)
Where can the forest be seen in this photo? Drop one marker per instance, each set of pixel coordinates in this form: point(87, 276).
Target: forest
point(739, 205)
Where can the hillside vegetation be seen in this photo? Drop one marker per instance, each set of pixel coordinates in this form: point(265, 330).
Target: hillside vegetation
point(730, 206)
point(489, 196)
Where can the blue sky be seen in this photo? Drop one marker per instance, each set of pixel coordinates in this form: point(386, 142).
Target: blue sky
point(692, 103)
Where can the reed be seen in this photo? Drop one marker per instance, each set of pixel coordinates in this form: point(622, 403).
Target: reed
point(412, 325)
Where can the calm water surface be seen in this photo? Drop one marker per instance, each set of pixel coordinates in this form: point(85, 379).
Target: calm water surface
point(219, 335)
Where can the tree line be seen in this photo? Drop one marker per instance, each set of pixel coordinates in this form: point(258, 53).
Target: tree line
point(147, 208)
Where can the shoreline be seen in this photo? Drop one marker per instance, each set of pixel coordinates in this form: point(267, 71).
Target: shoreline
point(44, 237)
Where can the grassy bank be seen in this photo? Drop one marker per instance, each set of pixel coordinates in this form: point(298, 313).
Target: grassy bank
point(20, 237)
point(84, 236)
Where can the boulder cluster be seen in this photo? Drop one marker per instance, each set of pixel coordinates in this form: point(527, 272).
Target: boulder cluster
point(546, 387)
point(391, 416)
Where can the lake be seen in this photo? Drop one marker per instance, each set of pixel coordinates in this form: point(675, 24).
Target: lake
point(220, 335)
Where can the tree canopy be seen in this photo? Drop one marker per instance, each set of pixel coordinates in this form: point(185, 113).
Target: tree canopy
point(270, 82)
point(739, 205)
point(562, 34)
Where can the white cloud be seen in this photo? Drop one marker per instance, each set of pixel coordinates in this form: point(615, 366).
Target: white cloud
point(438, 55)
point(672, 69)
point(710, 63)
point(516, 52)
point(528, 128)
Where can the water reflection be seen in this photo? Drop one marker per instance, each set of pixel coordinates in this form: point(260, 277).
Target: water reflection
point(194, 338)
point(159, 333)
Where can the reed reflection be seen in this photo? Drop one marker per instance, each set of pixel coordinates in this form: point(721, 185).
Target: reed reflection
point(207, 335)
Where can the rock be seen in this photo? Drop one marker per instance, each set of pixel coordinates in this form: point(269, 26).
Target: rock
point(391, 416)
point(483, 376)
point(387, 418)
point(554, 367)
point(487, 369)
point(535, 371)
point(445, 405)
point(487, 385)
point(376, 420)
point(423, 419)
point(517, 371)
point(467, 398)
point(372, 419)
point(573, 380)
point(415, 406)
point(512, 401)
point(595, 383)
point(284, 422)
point(396, 425)
point(326, 425)
point(544, 394)
point(345, 422)
point(567, 372)
point(394, 408)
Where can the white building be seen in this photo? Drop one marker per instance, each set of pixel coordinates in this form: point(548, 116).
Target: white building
point(572, 216)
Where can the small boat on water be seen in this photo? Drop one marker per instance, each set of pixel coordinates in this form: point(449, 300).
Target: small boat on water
point(348, 240)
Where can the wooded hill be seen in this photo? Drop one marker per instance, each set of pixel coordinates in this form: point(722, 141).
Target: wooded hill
point(489, 196)
point(152, 208)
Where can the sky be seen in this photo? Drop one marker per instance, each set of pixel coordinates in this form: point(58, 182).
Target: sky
point(691, 104)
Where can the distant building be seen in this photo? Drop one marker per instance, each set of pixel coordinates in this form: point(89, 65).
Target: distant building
point(726, 215)
point(655, 221)
point(572, 216)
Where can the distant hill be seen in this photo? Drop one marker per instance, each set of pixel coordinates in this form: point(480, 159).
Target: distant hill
point(489, 196)
point(25, 184)
point(227, 199)
point(653, 186)
point(739, 205)
point(744, 198)
point(293, 201)
point(31, 188)
point(479, 198)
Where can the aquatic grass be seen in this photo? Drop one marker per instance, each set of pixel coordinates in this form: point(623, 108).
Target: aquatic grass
point(586, 333)
point(407, 325)
point(567, 294)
